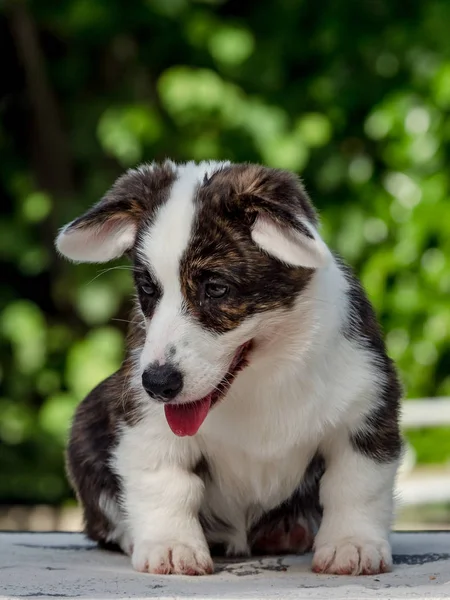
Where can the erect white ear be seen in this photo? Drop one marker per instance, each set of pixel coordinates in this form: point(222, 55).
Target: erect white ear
point(102, 234)
point(299, 247)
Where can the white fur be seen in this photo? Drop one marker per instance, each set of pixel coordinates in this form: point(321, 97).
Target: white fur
point(307, 387)
point(171, 497)
point(290, 246)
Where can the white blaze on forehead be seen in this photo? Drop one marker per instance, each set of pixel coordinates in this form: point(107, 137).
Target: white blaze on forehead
point(166, 240)
point(168, 236)
point(161, 249)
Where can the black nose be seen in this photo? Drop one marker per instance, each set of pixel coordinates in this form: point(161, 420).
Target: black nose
point(162, 382)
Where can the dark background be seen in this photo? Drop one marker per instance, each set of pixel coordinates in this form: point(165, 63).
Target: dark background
point(353, 95)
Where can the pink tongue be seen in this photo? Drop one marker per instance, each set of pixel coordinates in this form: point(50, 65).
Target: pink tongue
point(185, 419)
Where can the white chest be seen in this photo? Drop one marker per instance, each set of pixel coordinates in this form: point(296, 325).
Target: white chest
point(242, 481)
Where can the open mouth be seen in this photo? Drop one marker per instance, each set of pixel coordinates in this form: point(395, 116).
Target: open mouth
point(186, 419)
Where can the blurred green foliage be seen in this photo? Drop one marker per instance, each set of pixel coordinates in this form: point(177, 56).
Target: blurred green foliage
point(353, 95)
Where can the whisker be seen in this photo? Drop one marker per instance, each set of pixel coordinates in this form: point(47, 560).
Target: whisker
point(103, 271)
point(125, 321)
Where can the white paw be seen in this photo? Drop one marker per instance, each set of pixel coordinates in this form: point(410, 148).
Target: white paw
point(172, 558)
point(126, 543)
point(352, 556)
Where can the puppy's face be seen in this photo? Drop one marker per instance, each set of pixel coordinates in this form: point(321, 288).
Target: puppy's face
point(220, 251)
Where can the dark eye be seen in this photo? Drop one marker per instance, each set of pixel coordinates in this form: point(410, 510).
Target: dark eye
point(216, 290)
point(149, 289)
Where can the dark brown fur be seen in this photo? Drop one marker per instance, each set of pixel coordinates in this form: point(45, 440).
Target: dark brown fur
point(92, 439)
point(380, 437)
point(221, 247)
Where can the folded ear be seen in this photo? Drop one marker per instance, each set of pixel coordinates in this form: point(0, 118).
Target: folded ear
point(105, 232)
point(295, 245)
point(283, 220)
point(109, 229)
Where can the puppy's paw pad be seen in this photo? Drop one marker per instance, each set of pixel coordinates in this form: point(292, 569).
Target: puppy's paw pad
point(176, 559)
point(353, 557)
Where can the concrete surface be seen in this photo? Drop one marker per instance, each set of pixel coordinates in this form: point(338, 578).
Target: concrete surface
point(65, 565)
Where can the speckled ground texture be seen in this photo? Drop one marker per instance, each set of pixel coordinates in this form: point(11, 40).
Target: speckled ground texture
point(65, 565)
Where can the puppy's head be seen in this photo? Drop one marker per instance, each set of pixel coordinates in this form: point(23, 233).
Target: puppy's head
point(220, 251)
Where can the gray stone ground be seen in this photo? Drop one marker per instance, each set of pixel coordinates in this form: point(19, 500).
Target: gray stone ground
point(65, 565)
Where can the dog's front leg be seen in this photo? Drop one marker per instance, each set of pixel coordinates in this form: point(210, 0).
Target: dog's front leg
point(357, 497)
point(162, 507)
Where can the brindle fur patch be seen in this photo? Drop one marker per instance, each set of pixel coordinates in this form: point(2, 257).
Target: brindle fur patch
point(221, 247)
